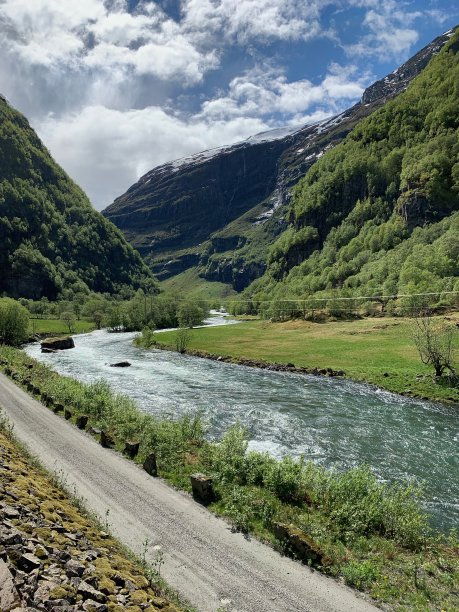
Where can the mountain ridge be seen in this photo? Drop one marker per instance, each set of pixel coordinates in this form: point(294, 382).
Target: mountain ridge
point(219, 210)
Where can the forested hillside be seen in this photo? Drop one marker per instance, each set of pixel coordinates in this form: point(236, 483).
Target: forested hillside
point(51, 239)
point(379, 213)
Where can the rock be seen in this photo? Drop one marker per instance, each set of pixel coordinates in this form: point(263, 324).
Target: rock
point(58, 344)
point(28, 562)
point(88, 592)
point(82, 421)
point(202, 488)
point(67, 414)
point(48, 350)
point(74, 568)
point(10, 537)
point(43, 591)
point(120, 364)
point(9, 597)
point(131, 448)
point(150, 465)
point(299, 543)
point(106, 440)
point(58, 408)
point(94, 606)
point(10, 513)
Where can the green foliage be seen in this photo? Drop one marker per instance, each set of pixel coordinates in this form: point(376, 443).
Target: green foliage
point(189, 314)
point(360, 574)
point(358, 504)
point(14, 322)
point(52, 241)
point(378, 213)
point(182, 339)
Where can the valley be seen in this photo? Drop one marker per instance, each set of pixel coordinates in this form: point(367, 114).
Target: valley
point(247, 363)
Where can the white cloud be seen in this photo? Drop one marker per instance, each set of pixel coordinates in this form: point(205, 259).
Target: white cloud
point(108, 150)
point(114, 92)
point(87, 35)
point(265, 90)
point(390, 34)
point(246, 20)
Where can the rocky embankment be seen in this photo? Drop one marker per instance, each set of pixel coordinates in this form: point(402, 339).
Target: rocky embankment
point(54, 558)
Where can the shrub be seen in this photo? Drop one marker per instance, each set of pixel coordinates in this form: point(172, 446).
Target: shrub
point(285, 479)
point(228, 460)
point(14, 322)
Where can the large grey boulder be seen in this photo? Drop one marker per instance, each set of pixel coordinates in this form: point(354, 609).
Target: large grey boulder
point(58, 344)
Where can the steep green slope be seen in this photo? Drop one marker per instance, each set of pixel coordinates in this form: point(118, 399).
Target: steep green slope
point(378, 214)
point(51, 238)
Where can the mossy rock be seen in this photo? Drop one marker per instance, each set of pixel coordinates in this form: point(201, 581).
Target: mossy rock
point(139, 597)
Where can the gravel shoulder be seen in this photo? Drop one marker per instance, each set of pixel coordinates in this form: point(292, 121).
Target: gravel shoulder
point(204, 561)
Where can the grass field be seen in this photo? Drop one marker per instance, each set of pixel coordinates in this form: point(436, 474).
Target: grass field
point(379, 351)
point(195, 287)
point(56, 326)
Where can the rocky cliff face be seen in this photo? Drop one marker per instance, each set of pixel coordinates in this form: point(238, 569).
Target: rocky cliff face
point(221, 209)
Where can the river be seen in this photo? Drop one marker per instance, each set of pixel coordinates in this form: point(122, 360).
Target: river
point(333, 422)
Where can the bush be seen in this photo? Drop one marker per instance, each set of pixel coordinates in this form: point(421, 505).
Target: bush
point(228, 459)
point(14, 322)
point(285, 479)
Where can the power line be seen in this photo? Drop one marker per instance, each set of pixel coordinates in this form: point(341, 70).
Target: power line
point(360, 297)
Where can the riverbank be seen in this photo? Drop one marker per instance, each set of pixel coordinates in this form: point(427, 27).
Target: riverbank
point(376, 351)
point(368, 534)
point(55, 554)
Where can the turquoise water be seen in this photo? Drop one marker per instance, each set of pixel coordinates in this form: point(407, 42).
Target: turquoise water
point(333, 422)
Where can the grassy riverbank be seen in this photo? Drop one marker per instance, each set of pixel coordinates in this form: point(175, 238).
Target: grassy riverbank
point(378, 351)
point(373, 536)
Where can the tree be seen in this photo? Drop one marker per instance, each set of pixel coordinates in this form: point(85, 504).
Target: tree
point(434, 340)
point(182, 339)
point(69, 319)
point(190, 314)
point(14, 322)
point(98, 317)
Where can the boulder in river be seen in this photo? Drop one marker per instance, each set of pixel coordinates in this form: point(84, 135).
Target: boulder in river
point(120, 364)
point(58, 344)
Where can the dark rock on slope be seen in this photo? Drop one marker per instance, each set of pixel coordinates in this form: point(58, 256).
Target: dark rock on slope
point(221, 209)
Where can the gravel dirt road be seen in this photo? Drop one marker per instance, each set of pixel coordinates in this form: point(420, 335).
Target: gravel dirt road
point(204, 561)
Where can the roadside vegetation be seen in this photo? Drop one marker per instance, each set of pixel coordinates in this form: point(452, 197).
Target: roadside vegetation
point(374, 535)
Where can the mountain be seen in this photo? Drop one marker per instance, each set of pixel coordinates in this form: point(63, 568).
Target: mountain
point(379, 213)
point(219, 211)
point(51, 239)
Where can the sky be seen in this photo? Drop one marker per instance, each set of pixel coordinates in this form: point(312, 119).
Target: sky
point(117, 87)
